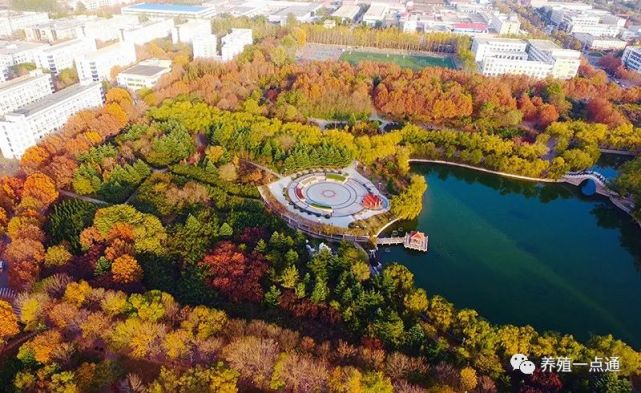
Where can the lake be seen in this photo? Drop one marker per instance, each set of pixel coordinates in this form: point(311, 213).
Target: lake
point(527, 253)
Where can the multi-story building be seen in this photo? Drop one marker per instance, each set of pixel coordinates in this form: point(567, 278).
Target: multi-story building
point(234, 43)
point(17, 52)
point(155, 10)
point(12, 22)
point(59, 56)
point(535, 58)
point(205, 47)
point(144, 74)
point(95, 4)
point(599, 23)
point(97, 66)
point(632, 58)
point(565, 62)
point(108, 29)
point(24, 90)
point(147, 32)
point(185, 33)
point(23, 127)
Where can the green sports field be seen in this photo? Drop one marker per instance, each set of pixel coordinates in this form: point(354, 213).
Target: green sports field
point(406, 61)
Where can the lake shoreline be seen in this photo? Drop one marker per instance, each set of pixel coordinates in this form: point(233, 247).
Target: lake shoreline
point(615, 201)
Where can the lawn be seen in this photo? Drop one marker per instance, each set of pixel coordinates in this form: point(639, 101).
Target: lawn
point(405, 61)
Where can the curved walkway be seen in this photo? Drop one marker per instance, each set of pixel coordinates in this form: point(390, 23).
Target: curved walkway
point(480, 169)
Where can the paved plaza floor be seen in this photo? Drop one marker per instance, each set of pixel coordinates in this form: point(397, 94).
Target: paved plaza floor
point(335, 198)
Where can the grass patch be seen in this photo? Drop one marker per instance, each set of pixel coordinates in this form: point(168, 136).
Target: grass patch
point(405, 61)
point(335, 177)
point(319, 206)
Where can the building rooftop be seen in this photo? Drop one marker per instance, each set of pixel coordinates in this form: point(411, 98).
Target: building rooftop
point(106, 50)
point(144, 70)
point(376, 11)
point(62, 44)
point(15, 82)
point(183, 8)
point(486, 40)
point(347, 11)
point(296, 10)
point(51, 100)
point(11, 47)
point(546, 45)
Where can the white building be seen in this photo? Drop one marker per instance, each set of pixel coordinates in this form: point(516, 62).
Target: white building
point(504, 24)
point(59, 56)
point(144, 74)
point(147, 32)
point(375, 14)
point(205, 47)
point(347, 12)
point(632, 58)
point(24, 90)
point(185, 33)
point(535, 58)
point(108, 29)
point(18, 52)
point(304, 12)
point(600, 43)
point(234, 43)
point(23, 127)
point(599, 23)
point(565, 62)
point(12, 22)
point(97, 66)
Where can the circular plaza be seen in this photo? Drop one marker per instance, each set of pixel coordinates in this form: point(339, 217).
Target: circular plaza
point(333, 194)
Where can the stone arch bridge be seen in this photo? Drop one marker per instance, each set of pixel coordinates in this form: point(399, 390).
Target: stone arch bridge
point(577, 178)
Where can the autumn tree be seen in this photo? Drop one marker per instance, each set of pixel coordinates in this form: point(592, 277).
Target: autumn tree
point(407, 205)
point(126, 270)
point(234, 273)
point(9, 326)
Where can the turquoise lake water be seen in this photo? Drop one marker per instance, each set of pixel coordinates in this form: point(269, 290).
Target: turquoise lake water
point(528, 253)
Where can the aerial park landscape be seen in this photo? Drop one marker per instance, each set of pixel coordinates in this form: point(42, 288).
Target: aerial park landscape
point(318, 215)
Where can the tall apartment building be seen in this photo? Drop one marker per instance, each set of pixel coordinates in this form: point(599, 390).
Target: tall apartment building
point(632, 58)
point(59, 56)
point(204, 46)
point(97, 66)
point(55, 30)
point(23, 127)
point(147, 32)
point(185, 33)
point(12, 22)
point(504, 24)
point(535, 58)
point(18, 52)
point(24, 90)
point(234, 43)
